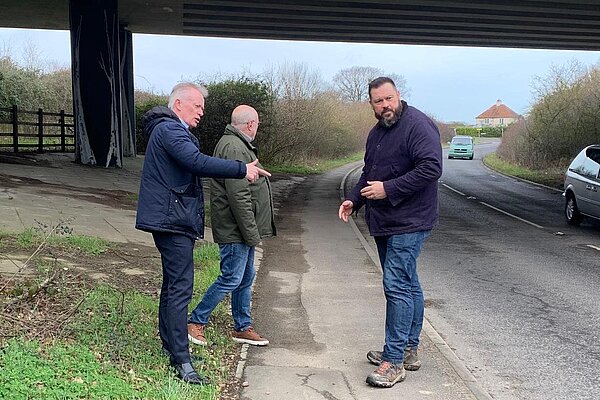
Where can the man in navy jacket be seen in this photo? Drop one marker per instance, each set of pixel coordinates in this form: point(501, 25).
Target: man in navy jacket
point(398, 186)
point(171, 207)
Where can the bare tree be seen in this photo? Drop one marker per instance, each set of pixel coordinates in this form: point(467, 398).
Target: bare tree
point(5, 49)
point(33, 58)
point(560, 77)
point(294, 81)
point(352, 83)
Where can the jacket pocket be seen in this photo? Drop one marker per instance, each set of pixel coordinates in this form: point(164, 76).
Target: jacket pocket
point(186, 209)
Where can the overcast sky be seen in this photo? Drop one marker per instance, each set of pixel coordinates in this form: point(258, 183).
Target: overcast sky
point(451, 83)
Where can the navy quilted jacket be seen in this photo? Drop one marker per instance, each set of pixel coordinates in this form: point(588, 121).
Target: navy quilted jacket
point(170, 197)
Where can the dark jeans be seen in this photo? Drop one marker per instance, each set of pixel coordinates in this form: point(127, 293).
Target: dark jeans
point(404, 296)
point(176, 253)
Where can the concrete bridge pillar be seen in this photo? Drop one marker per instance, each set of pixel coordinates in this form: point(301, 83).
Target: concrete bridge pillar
point(102, 70)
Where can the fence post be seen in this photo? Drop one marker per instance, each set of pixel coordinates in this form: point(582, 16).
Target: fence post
point(15, 121)
point(63, 144)
point(40, 130)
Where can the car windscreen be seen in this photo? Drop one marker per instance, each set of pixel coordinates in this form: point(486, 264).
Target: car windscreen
point(461, 141)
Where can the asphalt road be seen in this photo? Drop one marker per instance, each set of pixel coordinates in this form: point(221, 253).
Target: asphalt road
point(511, 288)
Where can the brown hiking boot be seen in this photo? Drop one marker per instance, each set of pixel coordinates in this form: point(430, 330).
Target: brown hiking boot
point(374, 357)
point(411, 360)
point(196, 334)
point(249, 336)
point(387, 375)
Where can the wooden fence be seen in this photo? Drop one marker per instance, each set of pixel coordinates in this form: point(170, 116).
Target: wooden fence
point(36, 131)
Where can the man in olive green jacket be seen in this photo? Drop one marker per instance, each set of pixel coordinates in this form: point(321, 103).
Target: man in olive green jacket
point(241, 215)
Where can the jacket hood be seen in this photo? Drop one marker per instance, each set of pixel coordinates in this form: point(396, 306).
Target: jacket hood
point(156, 115)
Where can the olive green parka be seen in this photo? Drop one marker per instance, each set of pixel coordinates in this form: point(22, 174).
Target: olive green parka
point(241, 212)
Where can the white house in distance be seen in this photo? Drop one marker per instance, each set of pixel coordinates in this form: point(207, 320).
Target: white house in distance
point(497, 115)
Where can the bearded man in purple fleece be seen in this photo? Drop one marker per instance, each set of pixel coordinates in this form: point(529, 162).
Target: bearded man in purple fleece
point(398, 186)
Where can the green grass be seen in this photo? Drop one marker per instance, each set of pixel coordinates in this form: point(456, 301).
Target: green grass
point(314, 167)
point(113, 351)
point(85, 244)
point(28, 238)
point(551, 177)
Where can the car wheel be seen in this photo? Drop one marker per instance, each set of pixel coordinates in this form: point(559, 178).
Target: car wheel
point(470, 158)
point(449, 157)
point(572, 214)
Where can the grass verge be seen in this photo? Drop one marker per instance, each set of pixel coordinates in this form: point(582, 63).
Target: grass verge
point(314, 166)
point(553, 177)
point(86, 244)
point(109, 349)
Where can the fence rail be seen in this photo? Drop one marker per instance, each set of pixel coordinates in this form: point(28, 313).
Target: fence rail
point(39, 131)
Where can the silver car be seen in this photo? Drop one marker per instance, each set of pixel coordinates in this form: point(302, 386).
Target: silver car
point(582, 183)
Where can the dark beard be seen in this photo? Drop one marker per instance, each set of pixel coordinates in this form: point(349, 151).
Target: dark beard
point(387, 122)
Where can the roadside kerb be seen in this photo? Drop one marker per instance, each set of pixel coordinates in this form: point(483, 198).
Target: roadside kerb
point(465, 375)
point(239, 371)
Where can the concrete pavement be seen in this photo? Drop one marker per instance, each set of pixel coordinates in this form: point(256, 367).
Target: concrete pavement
point(49, 189)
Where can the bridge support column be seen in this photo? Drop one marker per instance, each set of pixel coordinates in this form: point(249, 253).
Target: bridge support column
point(101, 54)
point(127, 91)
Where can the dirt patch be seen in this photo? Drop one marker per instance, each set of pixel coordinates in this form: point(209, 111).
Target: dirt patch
point(41, 293)
point(24, 159)
point(118, 199)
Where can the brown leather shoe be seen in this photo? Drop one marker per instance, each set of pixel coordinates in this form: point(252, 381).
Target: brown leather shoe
point(249, 336)
point(196, 334)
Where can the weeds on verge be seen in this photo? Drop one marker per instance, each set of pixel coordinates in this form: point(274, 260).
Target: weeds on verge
point(105, 344)
point(64, 238)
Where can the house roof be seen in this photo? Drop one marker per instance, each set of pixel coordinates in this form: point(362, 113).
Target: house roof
point(498, 110)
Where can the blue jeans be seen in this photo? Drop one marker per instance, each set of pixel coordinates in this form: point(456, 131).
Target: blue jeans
point(404, 296)
point(237, 274)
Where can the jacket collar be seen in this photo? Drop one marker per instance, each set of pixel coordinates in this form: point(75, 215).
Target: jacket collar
point(232, 130)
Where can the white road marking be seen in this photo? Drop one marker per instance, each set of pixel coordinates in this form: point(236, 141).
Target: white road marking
point(511, 215)
point(499, 210)
point(454, 190)
point(593, 247)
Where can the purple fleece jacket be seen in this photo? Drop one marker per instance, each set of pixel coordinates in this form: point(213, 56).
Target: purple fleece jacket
point(407, 158)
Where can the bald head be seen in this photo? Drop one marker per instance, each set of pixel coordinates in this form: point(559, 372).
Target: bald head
point(245, 119)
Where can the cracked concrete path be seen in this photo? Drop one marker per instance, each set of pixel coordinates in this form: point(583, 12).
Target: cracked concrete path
point(318, 298)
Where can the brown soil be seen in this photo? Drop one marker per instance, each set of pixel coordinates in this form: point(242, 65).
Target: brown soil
point(38, 301)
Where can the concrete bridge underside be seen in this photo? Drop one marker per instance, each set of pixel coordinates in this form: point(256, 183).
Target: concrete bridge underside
point(106, 27)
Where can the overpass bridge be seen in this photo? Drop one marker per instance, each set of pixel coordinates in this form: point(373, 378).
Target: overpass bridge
point(101, 46)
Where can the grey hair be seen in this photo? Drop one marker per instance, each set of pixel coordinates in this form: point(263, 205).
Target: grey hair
point(180, 89)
